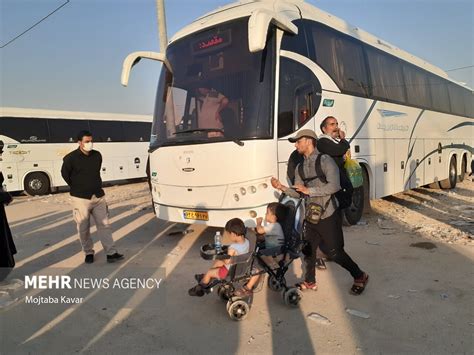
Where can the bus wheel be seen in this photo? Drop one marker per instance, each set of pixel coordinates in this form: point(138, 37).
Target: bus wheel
point(37, 184)
point(353, 213)
point(450, 182)
point(463, 168)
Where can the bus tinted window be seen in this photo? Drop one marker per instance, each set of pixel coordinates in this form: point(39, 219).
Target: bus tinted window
point(417, 85)
point(137, 131)
point(106, 131)
point(456, 98)
point(469, 103)
point(25, 130)
point(386, 76)
point(342, 58)
point(439, 94)
point(296, 43)
point(300, 96)
point(65, 131)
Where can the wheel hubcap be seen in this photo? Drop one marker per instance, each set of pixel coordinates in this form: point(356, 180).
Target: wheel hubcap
point(36, 184)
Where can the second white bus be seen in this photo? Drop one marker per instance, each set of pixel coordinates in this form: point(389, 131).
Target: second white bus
point(35, 142)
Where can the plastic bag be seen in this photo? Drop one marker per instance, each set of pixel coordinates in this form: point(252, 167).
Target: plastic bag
point(354, 172)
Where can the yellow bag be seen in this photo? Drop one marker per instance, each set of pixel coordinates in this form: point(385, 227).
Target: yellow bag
point(354, 172)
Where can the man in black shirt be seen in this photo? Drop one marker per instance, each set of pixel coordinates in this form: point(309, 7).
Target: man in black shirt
point(81, 171)
point(333, 140)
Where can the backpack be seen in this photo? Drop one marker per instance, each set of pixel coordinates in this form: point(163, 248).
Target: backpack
point(344, 195)
point(293, 161)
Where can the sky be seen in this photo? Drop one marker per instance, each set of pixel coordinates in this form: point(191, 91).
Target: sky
point(73, 60)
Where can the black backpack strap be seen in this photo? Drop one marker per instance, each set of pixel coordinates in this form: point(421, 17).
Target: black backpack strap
point(319, 170)
point(301, 173)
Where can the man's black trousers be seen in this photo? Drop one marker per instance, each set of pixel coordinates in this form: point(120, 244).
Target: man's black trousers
point(327, 234)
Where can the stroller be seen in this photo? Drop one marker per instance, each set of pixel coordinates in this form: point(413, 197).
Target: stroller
point(250, 264)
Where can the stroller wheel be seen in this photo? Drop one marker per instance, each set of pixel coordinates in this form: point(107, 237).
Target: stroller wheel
point(238, 310)
point(276, 285)
point(224, 292)
point(292, 297)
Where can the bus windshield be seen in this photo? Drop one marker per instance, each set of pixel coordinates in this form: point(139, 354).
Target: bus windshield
point(214, 88)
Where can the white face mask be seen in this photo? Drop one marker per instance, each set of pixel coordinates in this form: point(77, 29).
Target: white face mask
point(88, 146)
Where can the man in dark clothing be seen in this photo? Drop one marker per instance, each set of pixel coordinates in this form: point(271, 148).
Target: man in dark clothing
point(333, 140)
point(327, 234)
point(7, 247)
point(81, 171)
point(333, 143)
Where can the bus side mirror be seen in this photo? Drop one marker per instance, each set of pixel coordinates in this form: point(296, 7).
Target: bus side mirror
point(134, 58)
point(260, 20)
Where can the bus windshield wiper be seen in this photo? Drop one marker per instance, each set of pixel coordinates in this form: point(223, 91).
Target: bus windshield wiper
point(235, 140)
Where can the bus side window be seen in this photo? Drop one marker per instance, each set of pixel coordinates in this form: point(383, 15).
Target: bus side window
point(300, 96)
point(25, 130)
point(107, 131)
point(304, 95)
point(137, 131)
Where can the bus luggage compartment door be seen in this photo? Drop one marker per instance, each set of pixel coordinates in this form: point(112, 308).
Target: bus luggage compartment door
point(120, 168)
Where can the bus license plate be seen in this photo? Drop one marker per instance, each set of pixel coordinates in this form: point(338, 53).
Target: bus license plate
point(196, 215)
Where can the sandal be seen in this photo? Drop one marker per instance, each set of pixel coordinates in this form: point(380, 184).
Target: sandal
point(307, 286)
point(320, 264)
point(198, 277)
point(359, 284)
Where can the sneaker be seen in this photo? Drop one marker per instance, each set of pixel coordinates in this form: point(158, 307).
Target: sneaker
point(114, 257)
point(243, 292)
point(196, 291)
point(307, 286)
point(89, 259)
point(198, 277)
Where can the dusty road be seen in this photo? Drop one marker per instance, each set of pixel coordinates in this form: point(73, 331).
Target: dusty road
point(419, 300)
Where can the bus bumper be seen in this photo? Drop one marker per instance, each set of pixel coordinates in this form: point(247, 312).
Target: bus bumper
point(215, 218)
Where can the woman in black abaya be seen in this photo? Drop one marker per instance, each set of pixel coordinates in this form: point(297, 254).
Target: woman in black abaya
point(7, 247)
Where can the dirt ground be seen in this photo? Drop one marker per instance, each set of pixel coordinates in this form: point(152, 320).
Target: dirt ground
point(417, 247)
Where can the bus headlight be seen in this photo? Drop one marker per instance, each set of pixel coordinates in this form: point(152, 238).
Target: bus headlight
point(236, 197)
point(252, 189)
point(243, 191)
point(253, 214)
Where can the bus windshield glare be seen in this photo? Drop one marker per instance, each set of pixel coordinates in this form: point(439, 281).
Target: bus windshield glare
point(215, 89)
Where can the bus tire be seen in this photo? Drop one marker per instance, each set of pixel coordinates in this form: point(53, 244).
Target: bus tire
point(37, 184)
point(463, 168)
point(353, 214)
point(450, 182)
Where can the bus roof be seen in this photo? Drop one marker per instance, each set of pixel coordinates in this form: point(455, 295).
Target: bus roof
point(40, 113)
point(246, 8)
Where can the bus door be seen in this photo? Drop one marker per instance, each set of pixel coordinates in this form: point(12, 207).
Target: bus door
point(299, 100)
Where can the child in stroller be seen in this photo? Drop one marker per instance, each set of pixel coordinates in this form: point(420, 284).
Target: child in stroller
point(270, 240)
point(250, 265)
point(240, 245)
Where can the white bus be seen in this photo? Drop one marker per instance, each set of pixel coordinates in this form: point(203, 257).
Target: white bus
point(35, 142)
point(278, 67)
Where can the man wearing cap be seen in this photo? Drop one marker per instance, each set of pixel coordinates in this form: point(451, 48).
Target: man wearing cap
point(327, 234)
